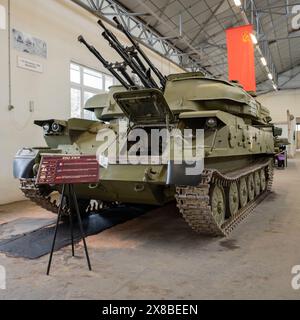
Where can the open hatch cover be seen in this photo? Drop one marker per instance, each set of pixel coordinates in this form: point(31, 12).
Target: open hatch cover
point(144, 106)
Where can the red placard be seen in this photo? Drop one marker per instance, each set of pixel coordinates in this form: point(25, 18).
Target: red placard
point(57, 169)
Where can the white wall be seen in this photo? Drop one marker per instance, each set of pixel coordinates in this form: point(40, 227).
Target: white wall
point(279, 102)
point(58, 22)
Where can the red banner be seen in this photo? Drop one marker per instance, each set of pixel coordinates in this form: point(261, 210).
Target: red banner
point(241, 61)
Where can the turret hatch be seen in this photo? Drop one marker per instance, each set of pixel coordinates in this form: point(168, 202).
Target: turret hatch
point(144, 106)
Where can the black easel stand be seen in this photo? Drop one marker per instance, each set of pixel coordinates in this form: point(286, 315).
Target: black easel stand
point(73, 204)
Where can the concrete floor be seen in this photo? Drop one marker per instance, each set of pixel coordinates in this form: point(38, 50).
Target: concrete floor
point(158, 257)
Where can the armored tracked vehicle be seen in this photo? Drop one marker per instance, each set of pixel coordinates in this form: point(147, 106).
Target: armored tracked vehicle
point(238, 144)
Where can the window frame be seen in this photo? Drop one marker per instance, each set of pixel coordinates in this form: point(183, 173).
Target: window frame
point(83, 88)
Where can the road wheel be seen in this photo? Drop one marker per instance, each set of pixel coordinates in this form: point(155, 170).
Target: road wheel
point(257, 183)
point(233, 199)
point(243, 192)
point(263, 183)
point(251, 187)
point(218, 205)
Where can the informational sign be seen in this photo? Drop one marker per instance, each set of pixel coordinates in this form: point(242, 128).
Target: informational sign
point(30, 65)
point(57, 169)
point(25, 42)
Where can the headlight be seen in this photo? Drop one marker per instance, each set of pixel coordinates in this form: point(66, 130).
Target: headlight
point(46, 127)
point(55, 127)
point(211, 122)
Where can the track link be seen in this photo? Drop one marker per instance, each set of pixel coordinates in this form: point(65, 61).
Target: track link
point(42, 197)
point(194, 202)
point(32, 192)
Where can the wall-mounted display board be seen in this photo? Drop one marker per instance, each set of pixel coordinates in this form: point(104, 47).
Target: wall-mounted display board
point(25, 42)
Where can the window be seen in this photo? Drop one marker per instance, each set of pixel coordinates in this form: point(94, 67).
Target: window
point(85, 83)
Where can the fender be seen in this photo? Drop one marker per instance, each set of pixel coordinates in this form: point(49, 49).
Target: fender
point(24, 161)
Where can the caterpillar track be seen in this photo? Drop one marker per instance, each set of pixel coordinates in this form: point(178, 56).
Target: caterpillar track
point(194, 202)
point(39, 196)
point(197, 208)
point(42, 197)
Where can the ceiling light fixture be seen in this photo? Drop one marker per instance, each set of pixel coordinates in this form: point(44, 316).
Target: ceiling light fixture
point(253, 38)
point(263, 61)
point(238, 3)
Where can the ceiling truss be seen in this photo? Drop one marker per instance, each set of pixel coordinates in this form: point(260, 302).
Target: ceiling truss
point(199, 44)
point(146, 35)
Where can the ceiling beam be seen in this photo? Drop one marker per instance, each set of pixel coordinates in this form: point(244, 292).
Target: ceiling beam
point(162, 11)
point(143, 33)
point(207, 21)
point(176, 34)
point(290, 79)
point(282, 81)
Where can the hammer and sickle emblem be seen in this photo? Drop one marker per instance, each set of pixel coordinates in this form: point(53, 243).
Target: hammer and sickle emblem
point(246, 37)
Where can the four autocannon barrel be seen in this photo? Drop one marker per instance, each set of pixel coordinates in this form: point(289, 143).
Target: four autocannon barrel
point(132, 57)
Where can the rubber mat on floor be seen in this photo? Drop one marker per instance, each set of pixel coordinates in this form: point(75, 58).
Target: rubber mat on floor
point(38, 243)
point(21, 226)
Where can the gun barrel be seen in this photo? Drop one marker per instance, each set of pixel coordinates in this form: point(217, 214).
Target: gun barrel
point(136, 57)
point(105, 63)
point(109, 33)
point(121, 67)
point(160, 76)
point(82, 40)
point(136, 68)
